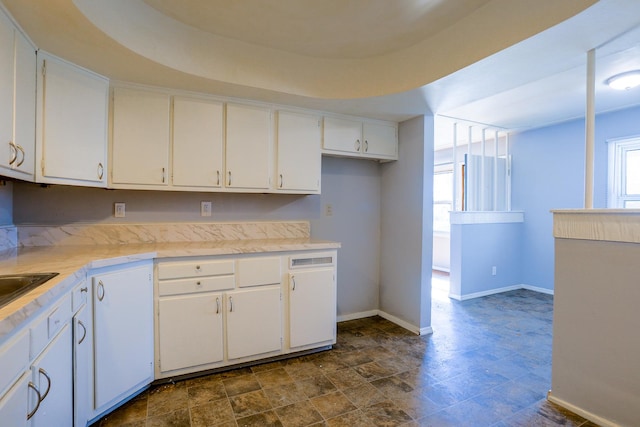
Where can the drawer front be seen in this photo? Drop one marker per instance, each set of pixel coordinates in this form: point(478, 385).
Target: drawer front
point(79, 297)
point(47, 326)
point(258, 271)
point(196, 284)
point(14, 359)
point(176, 270)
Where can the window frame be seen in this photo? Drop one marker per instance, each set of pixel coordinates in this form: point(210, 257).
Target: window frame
point(616, 194)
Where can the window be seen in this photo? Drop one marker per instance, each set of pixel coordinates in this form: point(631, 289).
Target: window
point(442, 197)
point(624, 173)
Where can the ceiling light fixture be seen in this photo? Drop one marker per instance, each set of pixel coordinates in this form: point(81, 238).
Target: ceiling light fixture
point(624, 81)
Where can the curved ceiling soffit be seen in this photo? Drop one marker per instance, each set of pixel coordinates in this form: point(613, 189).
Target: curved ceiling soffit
point(168, 42)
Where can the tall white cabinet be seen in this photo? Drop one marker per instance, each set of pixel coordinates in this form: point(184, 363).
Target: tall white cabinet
point(123, 332)
point(71, 135)
point(17, 102)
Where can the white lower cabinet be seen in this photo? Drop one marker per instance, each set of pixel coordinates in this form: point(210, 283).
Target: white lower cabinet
point(254, 322)
point(123, 333)
point(14, 407)
point(82, 366)
point(53, 377)
point(312, 307)
point(190, 331)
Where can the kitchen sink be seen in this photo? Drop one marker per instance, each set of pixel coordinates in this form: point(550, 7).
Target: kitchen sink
point(13, 286)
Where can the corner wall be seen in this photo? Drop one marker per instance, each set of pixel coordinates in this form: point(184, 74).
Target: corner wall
point(407, 227)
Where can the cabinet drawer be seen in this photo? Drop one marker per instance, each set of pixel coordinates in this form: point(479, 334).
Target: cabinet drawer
point(79, 297)
point(47, 326)
point(176, 270)
point(258, 271)
point(14, 357)
point(196, 284)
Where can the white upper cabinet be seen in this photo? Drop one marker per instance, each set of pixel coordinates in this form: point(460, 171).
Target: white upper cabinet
point(299, 141)
point(17, 102)
point(198, 139)
point(356, 138)
point(71, 132)
point(248, 147)
point(140, 139)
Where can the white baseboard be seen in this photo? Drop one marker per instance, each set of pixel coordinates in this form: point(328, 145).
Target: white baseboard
point(406, 325)
point(459, 297)
point(355, 316)
point(582, 412)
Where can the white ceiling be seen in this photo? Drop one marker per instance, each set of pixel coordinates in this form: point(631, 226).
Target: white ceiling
point(509, 63)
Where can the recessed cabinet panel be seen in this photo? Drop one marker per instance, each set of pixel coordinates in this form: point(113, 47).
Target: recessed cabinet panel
point(254, 322)
point(312, 298)
point(14, 404)
point(299, 158)
point(140, 139)
point(380, 140)
point(248, 147)
point(6, 90)
point(197, 142)
point(258, 271)
point(342, 135)
point(190, 331)
point(72, 125)
point(180, 269)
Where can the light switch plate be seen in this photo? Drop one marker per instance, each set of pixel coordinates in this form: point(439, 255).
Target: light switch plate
point(119, 210)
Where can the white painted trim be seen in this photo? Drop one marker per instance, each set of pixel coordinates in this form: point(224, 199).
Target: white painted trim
point(612, 225)
point(355, 316)
point(426, 331)
point(486, 217)
point(402, 323)
point(582, 412)
point(459, 297)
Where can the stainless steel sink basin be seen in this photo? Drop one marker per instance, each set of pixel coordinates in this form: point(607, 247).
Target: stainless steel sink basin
point(13, 286)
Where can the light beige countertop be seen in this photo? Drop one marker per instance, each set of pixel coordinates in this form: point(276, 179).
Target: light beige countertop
point(73, 262)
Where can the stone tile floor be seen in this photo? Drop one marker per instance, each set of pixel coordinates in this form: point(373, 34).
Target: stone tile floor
point(488, 363)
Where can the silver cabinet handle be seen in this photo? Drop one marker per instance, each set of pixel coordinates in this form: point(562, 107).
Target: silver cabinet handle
point(14, 153)
point(100, 294)
point(229, 182)
point(85, 289)
point(281, 181)
point(84, 333)
point(100, 170)
point(163, 175)
point(217, 305)
point(366, 146)
point(230, 304)
point(218, 175)
point(33, 387)
point(43, 372)
point(357, 145)
point(293, 280)
point(19, 147)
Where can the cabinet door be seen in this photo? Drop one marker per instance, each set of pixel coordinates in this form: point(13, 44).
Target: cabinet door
point(299, 157)
point(380, 141)
point(7, 149)
point(14, 403)
point(82, 366)
point(140, 138)
point(342, 135)
point(25, 107)
point(197, 143)
point(72, 124)
point(190, 331)
point(312, 312)
point(123, 333)
point(53, 376)
point(254, 322)
point(248, 147)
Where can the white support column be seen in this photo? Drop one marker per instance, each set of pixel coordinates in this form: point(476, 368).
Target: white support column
point(507, 186)
point(590, 119)
point(495, 171)
point(455, 167)
point(483, 172)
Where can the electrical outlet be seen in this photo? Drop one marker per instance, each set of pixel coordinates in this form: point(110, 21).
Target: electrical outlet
point(328, 209)
point(205, 208)
point(119, 210)
point(494, 270)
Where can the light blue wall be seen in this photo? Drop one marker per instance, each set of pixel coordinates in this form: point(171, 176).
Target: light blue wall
point(478, 248)
point(407, 225)
point(6, 203)
point(548, 173)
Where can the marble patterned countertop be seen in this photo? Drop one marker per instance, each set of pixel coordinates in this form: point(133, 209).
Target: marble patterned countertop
point(72, 262)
